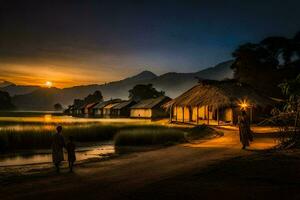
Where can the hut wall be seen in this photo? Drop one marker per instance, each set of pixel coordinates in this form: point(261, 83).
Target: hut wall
point(174, 113)
point(178, 111)
point(194, 116)
point(106, 112)
point(190, 114)
point(211, 113)
point(182, 112)
point(201, 113)
point(187, 114)
point(124, 112)
point(97, 112)
point(140, 112)
point(228, 114)
point(159, 113)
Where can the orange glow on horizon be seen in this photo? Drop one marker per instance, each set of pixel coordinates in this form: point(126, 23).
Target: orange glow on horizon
point(60, 77)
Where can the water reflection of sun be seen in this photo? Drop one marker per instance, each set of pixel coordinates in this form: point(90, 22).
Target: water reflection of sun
point(48, 118)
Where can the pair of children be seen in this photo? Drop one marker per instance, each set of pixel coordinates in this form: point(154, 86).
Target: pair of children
point(58, 143)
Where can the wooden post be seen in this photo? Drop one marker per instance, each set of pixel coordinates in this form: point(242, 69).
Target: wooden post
point(251, 115)
point(183, 114)
point(197, 120)
point(218, 116)
point(176, 112)
point(171, 113)
point(233, 112)
point(207, 115)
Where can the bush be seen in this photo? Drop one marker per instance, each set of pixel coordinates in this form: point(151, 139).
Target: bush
point(157, 136)
point(203, 131)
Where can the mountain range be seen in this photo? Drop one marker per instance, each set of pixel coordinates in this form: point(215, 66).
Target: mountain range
point(38, 98)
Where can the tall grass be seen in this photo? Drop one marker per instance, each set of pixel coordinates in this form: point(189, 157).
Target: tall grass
point(152, 136)
point(41, 138)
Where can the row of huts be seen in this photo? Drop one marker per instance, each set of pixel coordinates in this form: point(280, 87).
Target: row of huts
point(117, 108)
point(209, 102)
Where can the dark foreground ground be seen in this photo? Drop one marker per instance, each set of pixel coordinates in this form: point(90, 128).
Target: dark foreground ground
point(268, 175)
point(214, 169)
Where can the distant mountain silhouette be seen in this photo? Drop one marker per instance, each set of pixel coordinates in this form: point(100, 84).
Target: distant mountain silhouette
point(40, 99)
point(172, 83)
point(13, 89)
point(5, 83)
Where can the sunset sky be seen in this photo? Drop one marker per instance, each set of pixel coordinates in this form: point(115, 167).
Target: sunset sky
point(83, 42)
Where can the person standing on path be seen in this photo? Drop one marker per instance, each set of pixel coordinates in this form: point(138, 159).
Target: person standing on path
point(244, 129)
point(58, 143)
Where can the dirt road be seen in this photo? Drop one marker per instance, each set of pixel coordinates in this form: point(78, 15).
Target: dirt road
point(119, 178)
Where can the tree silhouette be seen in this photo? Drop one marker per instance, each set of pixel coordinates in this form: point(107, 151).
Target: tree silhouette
point(140, 92)
point(95, 97)
point(58, 106)
point(266, 64)
point(5, 101)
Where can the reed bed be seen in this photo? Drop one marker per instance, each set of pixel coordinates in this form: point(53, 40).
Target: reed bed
point(163, 135)
point(150, 136)
point(40, 137)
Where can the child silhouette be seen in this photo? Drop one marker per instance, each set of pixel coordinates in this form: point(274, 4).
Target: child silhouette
point(71, 153)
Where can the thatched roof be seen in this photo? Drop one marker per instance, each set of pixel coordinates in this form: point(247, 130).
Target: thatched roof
point(151, 103)
point(91, 105)
point(111, 105)
point(220, 94)
point(101, 105)
point(123, 104)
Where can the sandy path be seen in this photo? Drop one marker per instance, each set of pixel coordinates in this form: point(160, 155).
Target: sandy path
point(120, 177)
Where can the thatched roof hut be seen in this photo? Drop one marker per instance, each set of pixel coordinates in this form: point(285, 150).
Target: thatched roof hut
point(98, 109)
point(220, 94)
point(150, 108)
point(122, 109)
point(219, 101)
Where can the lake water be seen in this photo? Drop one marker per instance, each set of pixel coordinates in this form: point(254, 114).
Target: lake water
point(25, 158)
point(58, 118)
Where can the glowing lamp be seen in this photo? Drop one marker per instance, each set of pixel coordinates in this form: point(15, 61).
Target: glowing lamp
point(244, 105)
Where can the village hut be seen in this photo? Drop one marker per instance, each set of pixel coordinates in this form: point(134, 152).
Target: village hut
point(215, 102)
point(69, 110)
point(107, 110)
point(150, 108)
point(88, 108)
point(77, 110)
point(122, 109)
point(99, 108)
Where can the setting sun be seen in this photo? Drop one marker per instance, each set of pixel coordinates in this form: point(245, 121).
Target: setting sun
point(49, 84)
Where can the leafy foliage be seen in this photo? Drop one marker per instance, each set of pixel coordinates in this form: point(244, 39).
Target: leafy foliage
point(140, 92)
point(91, 98)
point(5, 101)
point(96, 96)
point(58, 106)
point(287, 118)
point(266, 64)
